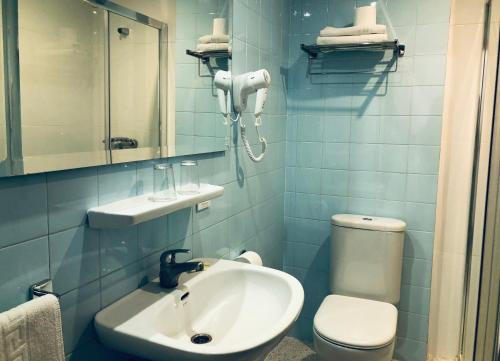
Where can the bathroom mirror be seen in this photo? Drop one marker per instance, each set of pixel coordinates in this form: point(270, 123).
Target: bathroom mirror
point(203, 47)
point(90, 83)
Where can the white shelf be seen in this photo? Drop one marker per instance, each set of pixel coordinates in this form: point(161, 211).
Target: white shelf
point(142, 209)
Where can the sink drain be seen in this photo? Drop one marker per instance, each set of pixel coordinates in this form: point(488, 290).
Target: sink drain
point(201, 339)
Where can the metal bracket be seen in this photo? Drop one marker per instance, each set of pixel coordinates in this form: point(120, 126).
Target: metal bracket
point(42, 288)
point(313, 52)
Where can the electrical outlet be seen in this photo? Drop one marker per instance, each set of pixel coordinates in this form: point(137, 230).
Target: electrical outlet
point(203, 205)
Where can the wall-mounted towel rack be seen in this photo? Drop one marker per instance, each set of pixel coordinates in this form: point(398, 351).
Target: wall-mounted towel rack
point(206, 56)
point(42, 288)
point(314, 52)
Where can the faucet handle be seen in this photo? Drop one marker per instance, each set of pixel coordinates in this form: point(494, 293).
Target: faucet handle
point(168, 257)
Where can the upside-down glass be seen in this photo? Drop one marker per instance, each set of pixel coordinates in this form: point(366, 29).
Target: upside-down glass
point(164, 183)
point(190, 178)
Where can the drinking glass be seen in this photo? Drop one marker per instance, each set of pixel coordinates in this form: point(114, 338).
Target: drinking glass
point(164, 183)
point(190, 178)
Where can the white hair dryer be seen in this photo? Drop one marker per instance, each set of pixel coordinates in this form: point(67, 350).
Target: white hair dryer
point(243, 86)
point(223, 82)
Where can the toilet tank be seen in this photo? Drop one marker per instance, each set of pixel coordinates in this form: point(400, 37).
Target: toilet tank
point(366, 257)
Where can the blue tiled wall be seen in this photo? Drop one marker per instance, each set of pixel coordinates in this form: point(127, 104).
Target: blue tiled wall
point(43, 230)
point(366, 144)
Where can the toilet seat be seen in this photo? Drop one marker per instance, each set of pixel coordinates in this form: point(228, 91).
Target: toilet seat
point(355, 322)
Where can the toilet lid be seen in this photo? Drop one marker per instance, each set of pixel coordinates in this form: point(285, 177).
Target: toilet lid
point(356, 322)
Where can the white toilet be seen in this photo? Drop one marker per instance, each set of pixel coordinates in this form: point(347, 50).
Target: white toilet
point(357, 322)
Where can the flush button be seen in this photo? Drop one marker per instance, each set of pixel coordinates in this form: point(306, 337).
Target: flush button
point(367, 219)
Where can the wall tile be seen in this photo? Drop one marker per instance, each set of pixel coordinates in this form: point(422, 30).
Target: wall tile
point(395, 129)
point(74, 258)
point(393, 158)
point(419, 244)
point(423, 159)
point(364, 157)
point(420, 217)
point(431, 39)
point(118, 248)
point(180, 225)
point(425, 130)
point(415, 299)
point(334, 182)
point(23, 210)
point(432, 12)
point(336, 156)
point(336, 128)
point(365, 129)
point(410, 350)
point(212, 242)
point(421, 188)
point(413, 326)
point(309, 155)
point(153, 236)
point(427, 100)
point(117, 182)
point(307, 206)
point(429, 70)
point(70, 195)
point(308, 180)
point(309, 128)
point(331, 205)
point(78, 309)
point(21, 266)
point(119, 283)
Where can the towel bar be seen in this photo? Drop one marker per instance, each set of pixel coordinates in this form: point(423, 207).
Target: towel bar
point(42, 288)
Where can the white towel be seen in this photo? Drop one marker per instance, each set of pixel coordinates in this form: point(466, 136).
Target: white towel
point(343, 40)
point(212, 47)
point(207, 39)
point(32, 332)
point(353, 30)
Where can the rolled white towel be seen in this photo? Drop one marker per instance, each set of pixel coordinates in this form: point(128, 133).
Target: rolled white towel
point(343, 40)
point(212, 47)
point(365, 15)
point(330, 31)
point(207, 39)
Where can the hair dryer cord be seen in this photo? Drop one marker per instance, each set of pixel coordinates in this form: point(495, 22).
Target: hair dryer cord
point(247, 146)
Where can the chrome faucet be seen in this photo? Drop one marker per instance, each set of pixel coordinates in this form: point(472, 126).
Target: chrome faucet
point(170, 271)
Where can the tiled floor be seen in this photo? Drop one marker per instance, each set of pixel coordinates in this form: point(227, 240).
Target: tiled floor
point(291, 349)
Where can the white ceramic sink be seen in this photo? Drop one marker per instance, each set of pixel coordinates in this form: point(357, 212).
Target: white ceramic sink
point(246, 310)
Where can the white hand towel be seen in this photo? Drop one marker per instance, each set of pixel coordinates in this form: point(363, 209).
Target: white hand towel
point(211, 47)
point(32, 332)
point(353, 30)
point(207, 39)
point(343, 40)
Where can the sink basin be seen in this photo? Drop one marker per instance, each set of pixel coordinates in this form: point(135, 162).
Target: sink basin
point(231, 311)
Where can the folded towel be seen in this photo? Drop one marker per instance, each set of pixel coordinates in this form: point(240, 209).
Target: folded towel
point(343, 40)
point(353, 30)
point(32, 331)
point(207, 39)
point(212, 47)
